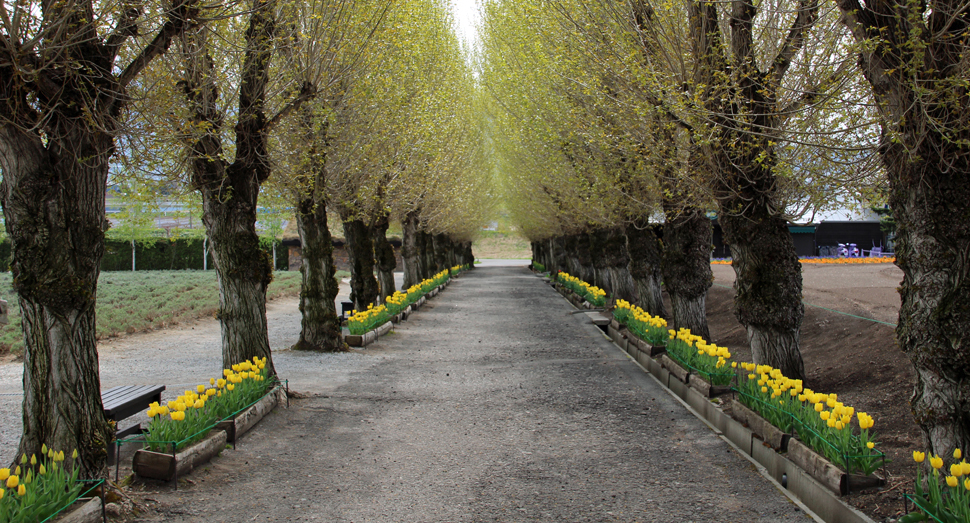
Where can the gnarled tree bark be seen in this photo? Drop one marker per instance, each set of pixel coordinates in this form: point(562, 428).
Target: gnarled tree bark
point(410, 250)
point(384, 254)
point(360, 251)
point(644, 266)
point(918, 75)
point(686, 266)
point(63, 93)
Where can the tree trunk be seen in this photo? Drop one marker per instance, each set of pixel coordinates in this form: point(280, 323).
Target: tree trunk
point(53, 203)
point(230, 191)
point(410, 251)
point(360, 251)
point(645, 263)
point(386, 262)
point(599, 252)
point(687, 239)
point(617, 265)
point(918, 76)
point(572, 255)
point(584, 259)
point(467, 256)
point(440, 252)
point(768, 289)
point(428, 266)
point(319, 326)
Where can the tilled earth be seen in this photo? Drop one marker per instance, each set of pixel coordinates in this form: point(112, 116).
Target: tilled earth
point(493, 403)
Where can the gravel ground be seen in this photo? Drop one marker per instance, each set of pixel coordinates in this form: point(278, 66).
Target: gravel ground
point(493, 403)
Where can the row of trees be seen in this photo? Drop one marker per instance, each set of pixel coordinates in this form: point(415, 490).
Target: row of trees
point(363, 108)
point(621, 128)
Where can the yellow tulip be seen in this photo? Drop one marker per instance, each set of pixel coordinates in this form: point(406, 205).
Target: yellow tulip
point(13, 481)
point(956, 470)
point(2, 491)
point(966, 483)
point(230, 386)
point(825, 415)
point(951, 481)
point(42, 470)
point(936, 462)
point(21, 490)
point(870, 445)
point(200, 389)
point(957, 454)
point(4, 474)
point(819, 407)
point(965, 468)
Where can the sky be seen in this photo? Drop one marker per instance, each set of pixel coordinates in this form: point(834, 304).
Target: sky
point(467, 17)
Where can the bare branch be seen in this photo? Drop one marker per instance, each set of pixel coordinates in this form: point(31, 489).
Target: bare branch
point(807, 15)
point(180, 17)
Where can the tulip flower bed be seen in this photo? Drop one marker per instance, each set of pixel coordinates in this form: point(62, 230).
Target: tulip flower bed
point(362, 322)
point(949, 503)
point(821, 421)
point(39, 488)
point(648, 328)
point(594, 295)
point(705, 359)
point(191, 416)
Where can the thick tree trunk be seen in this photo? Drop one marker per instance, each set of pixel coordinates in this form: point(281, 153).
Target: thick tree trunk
point(687, 239)
point(467, 256)
point(768, 289)
point(319, 326)
point(918, 76)
point(360, 251)
point(440, 243)
point(244, 273)
point(230, 191)
point(617, 265)
point(410, 250)
point(645, 263)
point(557, 254)
point(53, 203)
point(386, 263)
point(599, 259)
point(571, 254)
point(584, 259)
point(428, 265)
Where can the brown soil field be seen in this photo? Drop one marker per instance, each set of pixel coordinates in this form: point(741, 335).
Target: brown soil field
point(853, 356)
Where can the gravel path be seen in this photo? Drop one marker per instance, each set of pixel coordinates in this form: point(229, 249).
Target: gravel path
point(493, 403)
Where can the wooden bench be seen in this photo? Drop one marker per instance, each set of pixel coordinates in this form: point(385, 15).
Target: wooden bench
point(125, 401)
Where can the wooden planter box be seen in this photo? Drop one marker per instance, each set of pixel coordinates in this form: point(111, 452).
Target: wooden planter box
point(705, 388)
point(402, 316)
point(87, 512)
point(675, 369)
point(771, 434)
point(834, 478)
point(361, 340)
point(166, 467)
point(245, 420)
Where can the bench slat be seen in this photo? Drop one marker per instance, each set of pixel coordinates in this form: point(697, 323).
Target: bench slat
point(122, 402)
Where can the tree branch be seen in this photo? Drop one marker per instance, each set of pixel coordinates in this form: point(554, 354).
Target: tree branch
point(807, 15)
point(179, 17)
point(308, 91)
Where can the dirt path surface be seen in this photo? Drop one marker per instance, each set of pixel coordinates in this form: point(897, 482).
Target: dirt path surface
point(493, 403)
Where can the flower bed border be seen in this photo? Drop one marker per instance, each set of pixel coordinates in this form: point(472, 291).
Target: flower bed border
point(365, 339)
point(169, 466)
point(793, 477)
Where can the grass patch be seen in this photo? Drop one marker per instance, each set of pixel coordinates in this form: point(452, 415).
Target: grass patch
point(130, 302)
point(503, 246)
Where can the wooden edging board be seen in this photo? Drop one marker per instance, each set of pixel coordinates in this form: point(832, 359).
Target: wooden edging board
point(88, 512)
point(158, 465)
point(248, 418)
point(801, 486)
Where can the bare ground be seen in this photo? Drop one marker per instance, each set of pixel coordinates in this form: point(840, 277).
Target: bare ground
point(853, 357)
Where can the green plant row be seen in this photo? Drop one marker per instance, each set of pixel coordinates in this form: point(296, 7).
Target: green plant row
point(130, 302)
point(538, 267)
point(938, 496)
